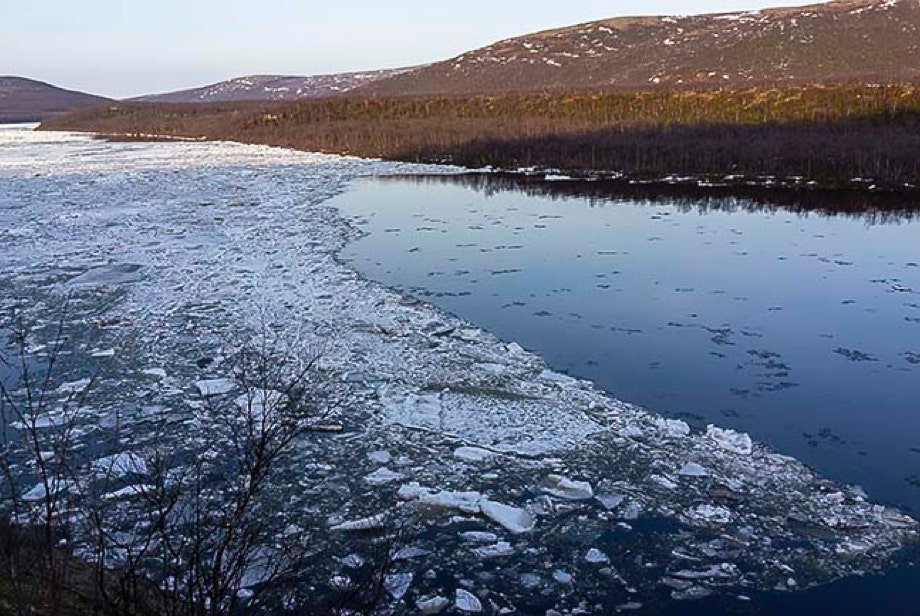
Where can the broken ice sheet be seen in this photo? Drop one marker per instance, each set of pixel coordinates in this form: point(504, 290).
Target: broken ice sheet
point(443, 393)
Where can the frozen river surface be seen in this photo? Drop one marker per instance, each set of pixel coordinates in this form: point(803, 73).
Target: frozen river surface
point(527, 488)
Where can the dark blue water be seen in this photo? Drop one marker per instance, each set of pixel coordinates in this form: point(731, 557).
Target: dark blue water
point(801, 327)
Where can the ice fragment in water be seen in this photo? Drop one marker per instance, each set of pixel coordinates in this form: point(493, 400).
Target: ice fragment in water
point(467, 602)
point(513, 519)
point(673, 428)
point(610, 501)
point(467, 502)
point(380, 457)
point(397, 584)
point(215, 387)
point(121, 464)
point(596, 557)
point(497, 550)
point(473, 454)
point(563, 487)
point(692, 469)
point(373, 522)
point(432, 605)
point(383, 476)
point(711, 514)
point(473, 536)
point(729, 440)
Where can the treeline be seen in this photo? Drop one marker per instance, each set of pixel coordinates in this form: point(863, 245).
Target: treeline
point(827, 133)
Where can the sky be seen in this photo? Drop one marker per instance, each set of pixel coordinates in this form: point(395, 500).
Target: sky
point(123, 48)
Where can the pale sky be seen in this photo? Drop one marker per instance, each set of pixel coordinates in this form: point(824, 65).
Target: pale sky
point(125, 48)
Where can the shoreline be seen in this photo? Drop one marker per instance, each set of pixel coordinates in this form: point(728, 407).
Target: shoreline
point(717, 184)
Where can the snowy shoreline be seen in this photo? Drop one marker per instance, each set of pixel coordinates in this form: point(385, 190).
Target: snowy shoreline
point(181, 246)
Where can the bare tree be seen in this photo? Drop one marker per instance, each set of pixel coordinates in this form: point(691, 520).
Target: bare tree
point(38, 422)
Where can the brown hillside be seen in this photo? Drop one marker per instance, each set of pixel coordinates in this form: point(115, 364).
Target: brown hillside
point(26, 100)
point(869, 41)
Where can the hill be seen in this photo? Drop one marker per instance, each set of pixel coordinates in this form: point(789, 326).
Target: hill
point(865, 41)
point(273, 87)
point(27, 100)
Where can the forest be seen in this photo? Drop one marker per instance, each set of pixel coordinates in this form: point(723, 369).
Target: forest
point(832, 135)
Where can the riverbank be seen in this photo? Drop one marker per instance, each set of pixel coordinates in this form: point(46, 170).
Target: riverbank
point(838, 137)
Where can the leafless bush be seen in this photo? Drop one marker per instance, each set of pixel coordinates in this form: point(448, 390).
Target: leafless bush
point(38, 418)
point(164, 524)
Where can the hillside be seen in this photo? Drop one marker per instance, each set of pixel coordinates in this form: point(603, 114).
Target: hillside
point(868, 41)
point(27, 100)
point(273, 87)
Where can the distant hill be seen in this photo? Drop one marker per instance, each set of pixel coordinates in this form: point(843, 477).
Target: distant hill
point(274, 87)
point(27, 100)
point(866, 41)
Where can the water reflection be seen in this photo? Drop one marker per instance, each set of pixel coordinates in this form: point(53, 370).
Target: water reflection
point(792, 315)
point(868, 206)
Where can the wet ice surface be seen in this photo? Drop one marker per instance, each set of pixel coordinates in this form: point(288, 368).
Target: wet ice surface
point(528, 488)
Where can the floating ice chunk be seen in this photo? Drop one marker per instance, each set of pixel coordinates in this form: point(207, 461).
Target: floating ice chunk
point(720, 572)
point(512, 519)
point(558, 378)
point(729, 440)
point(563, 577)
point(409, 552)
point(380, 457)
point(493, 369)
point(562, 487)
point(692, 469)
point(260, 402)
point(630, 607)
point(38, 492)
point(39, 422)
point(515, 349)
point(413, 491)
point(373, 522)
point(673, 428)
point(103, 353)
point(893, 518)
point(631, 431)
point(498, 550)
point(633, 511)
point(467, 502)
point(531, 581)
point(432, 605)
point(397, 584)
point(693, 593)
point(113, 274)
point(665, 482)
point(129, 491)
point(467, 602)
point(710, 513)
point(353, 561)
point(121, 464)
point(156, 373)
point(474, 536)
point(383, 476)
point(610, 501)
point(74, 387)
point(473, 454)
point(596, 557)
point(215, 387)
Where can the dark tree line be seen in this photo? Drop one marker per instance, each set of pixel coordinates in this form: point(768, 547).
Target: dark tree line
point(828, 133)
